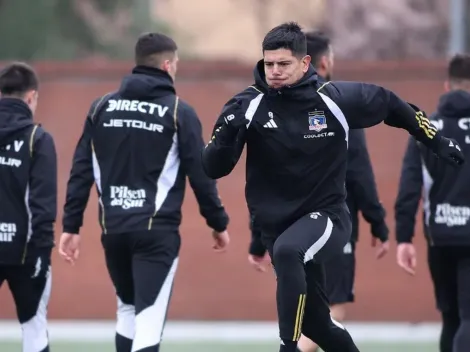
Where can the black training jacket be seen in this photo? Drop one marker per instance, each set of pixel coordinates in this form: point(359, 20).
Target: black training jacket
point(138, 146)
point(28, 184)
point(297, 143)
point(445, 190)
point(361, 196)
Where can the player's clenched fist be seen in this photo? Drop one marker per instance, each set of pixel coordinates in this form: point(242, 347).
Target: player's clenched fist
point(234, 116)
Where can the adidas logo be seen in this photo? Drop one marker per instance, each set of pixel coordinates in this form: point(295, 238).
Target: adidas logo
point(450, 145)
point(270, 124)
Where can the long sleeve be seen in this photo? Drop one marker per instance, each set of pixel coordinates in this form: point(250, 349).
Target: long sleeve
point(223, 151)
point(409, 193)
point(43, 188)
point(364, 105)
point(80, 182)
point(205, 189)
point(361, 181)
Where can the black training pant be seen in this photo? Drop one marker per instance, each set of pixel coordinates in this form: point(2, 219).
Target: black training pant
point(30, 286)
point(142, 267)
point(450, 272)
point(298, 255)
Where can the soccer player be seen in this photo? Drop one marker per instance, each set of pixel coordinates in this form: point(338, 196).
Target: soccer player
point(138, 146)
point(28, 196)
point(361, 196)
point(296, 131)
point(446, 215)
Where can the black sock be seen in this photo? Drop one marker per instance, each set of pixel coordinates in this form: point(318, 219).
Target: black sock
point(123, 344)
point(450, 325)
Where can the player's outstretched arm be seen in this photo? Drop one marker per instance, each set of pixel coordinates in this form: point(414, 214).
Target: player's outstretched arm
point(365, 105)
point(223, 151)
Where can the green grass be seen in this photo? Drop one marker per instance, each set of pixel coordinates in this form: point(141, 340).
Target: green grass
point(216, 347)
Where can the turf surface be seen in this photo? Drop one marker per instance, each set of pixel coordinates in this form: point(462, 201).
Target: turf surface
point(216, 347)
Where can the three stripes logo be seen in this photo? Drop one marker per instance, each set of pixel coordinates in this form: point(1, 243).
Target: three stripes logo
point(425, 125)
point(271, 123)
point(213, 136)
point(299, 317)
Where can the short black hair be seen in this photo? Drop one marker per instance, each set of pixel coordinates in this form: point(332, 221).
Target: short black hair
point(18, 78)
point(286, 36)
point(318, 45)
point(459, 67)
point(150, 45)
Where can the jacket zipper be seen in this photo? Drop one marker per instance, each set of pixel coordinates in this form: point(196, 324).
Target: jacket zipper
point(431, 242)
point(25, 251)
point(31, 150)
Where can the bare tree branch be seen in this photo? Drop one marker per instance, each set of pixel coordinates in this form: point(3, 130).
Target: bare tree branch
point(385, 29)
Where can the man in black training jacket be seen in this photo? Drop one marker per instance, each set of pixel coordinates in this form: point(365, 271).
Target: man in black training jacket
point(139, 144)
point(28, 196)
point(296, 131)
point(361, 196)
point(446, 215)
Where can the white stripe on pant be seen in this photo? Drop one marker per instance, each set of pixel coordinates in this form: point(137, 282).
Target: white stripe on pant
point(146, 329)
point(34, 331)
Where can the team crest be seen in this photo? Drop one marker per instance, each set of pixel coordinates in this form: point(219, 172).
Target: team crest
point(317, 121)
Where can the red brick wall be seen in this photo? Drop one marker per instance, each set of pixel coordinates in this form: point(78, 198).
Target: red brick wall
point(223, 286)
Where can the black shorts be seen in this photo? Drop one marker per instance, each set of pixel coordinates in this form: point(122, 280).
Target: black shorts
point(340, 274)
point(30, 286)
point(450, 273)
point(142, 266)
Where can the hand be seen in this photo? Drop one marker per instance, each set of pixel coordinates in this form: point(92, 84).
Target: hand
point(406, 257)
point(221, 239)
point(447, 148)
point(382, 249)
point(234, 116)
point(450, 151)
point(69, 247)
point(257, 262)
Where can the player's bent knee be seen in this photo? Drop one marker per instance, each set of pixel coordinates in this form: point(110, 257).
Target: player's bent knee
point(285, 253)
point(320, 326)
point(306, 345)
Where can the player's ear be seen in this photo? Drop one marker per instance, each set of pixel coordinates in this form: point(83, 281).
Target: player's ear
point(166, 65)
point(306, 60)
point(446, 86)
